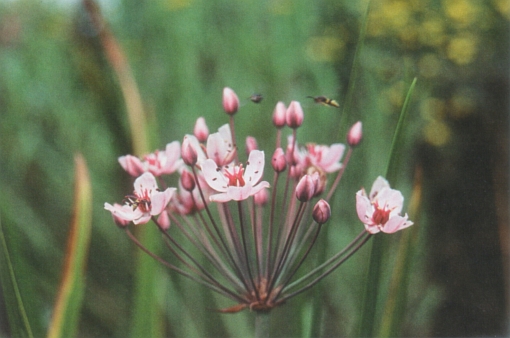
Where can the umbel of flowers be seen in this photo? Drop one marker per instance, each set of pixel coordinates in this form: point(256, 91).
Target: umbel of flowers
point(254, 234)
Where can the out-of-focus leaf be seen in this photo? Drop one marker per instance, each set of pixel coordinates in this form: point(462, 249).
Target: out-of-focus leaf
point(67, 307)
point(18, 321)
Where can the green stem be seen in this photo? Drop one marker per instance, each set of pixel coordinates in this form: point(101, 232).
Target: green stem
point(262, 324)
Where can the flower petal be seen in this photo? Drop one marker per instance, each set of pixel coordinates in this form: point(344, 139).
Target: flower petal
point(378, 185)
point(213, 176)
point(160, 199)
point(254, 167)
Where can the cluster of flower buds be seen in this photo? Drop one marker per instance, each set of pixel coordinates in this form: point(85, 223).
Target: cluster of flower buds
point(255, 234)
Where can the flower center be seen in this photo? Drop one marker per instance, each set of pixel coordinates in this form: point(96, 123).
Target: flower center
point(235, 178)
point(381, 214)
point(143, 201)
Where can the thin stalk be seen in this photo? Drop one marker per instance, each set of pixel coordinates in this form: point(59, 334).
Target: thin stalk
point(329, 261)
point(262, 321)
point(327, 272)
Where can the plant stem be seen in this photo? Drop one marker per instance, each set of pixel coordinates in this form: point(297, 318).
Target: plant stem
point(262, 324)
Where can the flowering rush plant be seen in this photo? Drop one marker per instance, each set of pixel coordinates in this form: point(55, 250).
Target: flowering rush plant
point(255, 234)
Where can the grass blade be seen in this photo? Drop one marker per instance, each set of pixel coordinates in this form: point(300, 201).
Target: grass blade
point(368, 321)
point(18, 320)
point(64, 322)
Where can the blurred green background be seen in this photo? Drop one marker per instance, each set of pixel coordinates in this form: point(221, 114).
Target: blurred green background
point(59, 95)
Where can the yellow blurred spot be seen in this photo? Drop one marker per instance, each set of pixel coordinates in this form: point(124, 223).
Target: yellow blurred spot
point(461, 105)
point(432, 32)
point(463, 12)
point(462, 50)
point(325, 48)
point(437, 133)
point(432, 109)
point(175, 5)
point(503, 6)
point(396, 94)
point(396, 13)
point(429, 65)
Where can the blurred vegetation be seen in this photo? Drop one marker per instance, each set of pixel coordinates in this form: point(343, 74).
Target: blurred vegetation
point(59, 96)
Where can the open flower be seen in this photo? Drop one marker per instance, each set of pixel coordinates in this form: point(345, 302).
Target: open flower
point(235, 183)
point(157, 163)
point(146, 201)
point(380, 211)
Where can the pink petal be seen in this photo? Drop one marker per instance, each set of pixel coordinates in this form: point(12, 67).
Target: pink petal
point(160, 199)
point(363, 206)
point(332, 156)
point(122, 214)
point(214, 178)
point(216, 148)
point(378, 185)
point(144, 218)
point(132, 165)
point(173, 153)
point(394, 224)
point(220, 198)
point(145, 182)
point(254, 167)
point(373, 229)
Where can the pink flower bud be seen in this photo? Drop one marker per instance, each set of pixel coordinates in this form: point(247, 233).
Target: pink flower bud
point(187, 181)
point(279, 162)
point(188, 152)
point(164, 220)
point(279, 115)
point(355, 134)
point(251, 144)
point(260, 198)
point(321, 212)
point(201, 131)
point(319, 179)
point(294, 116)
point(230, 101)
point(305, 188)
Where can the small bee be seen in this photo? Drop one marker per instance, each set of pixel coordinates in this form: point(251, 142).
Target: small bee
point(135, 202)
point(256, 98)
point(325, 101)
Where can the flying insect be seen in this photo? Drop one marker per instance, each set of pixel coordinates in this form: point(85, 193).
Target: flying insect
point(256, 98)
point(325, 101)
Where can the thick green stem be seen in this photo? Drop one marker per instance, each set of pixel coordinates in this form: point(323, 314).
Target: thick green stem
point(262, 324)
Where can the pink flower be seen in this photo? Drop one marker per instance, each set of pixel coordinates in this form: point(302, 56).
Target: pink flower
point(324, 157)
point(220, 147)
point(235, 183)
point(146, 201)
point(157, 163)
point(380, 211)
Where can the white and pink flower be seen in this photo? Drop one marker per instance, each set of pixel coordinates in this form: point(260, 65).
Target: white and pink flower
point(380, 211)
point(158, 163)
point(146, 201)
point(235, 182)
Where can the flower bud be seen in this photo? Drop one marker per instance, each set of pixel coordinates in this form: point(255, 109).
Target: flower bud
point(319, 178)
point(260, 198)
point(355, 134)
point(230, 101)
point(279, 115)
point(305, 188)
point(187, 181)
point(278, 161)
point(251, 144)
point(201, 131)
point(321, 212)
point(164, 220)
point(188, 152)
point(294, 115)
